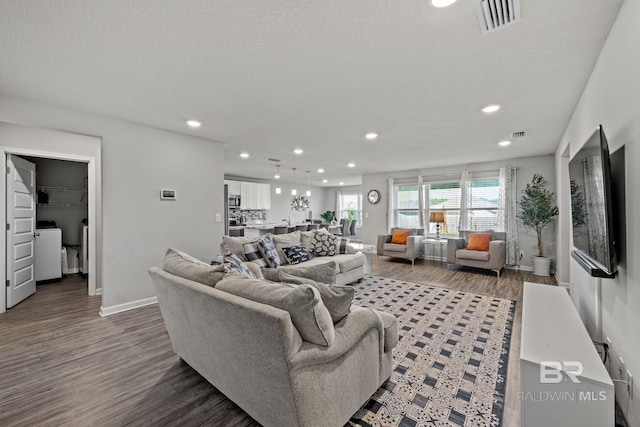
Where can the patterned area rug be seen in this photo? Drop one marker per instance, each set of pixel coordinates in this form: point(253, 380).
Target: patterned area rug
point(450, 365)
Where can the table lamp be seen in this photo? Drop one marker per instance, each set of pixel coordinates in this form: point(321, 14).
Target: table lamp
point(437, 217)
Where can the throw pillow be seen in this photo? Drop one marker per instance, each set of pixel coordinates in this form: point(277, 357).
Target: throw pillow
point(296, 254)
point(308, 314)
point(237, 266)
point(336, 298)
point(268, 250)
point(479, 242)
point(286, 241)
point(342, 245)
point(236, 244)
point(400, 236)
point(324, 244)
point(255, 269)
point(183, 265)
point(252, 253)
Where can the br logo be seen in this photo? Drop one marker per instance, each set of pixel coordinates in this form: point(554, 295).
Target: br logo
point(551, 371)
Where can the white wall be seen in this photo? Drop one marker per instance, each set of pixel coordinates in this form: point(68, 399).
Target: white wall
point(375, 215)
point(137, 162)
point(612, 98)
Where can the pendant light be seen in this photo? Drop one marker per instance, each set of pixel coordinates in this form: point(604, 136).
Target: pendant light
point(277, 176)
point(308, 185)
point(294, 192)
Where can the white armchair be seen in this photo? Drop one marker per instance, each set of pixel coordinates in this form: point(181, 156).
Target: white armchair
point(411, 250)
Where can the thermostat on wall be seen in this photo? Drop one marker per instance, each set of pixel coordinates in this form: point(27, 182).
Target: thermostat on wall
point(167, 195)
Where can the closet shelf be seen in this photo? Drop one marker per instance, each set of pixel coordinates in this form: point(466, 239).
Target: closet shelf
point(61, 205)
point(74, 189)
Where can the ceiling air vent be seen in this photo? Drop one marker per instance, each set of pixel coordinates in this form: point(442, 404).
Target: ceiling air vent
point(520, 134)
point(495, 14)
point(274, 160)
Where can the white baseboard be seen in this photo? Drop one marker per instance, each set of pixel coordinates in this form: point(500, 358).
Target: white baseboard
point(108, 311)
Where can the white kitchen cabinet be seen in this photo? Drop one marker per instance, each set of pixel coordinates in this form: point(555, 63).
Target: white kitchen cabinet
point(253, 195)
point(233, 187)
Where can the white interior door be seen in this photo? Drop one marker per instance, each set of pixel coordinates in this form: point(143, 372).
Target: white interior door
point(21, 219)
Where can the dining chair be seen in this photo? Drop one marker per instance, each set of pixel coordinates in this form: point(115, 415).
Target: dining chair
point(301, 227)
point(280, 229)
point(313, 227)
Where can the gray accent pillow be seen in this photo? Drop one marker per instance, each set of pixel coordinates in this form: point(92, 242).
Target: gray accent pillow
point(336, 298)
point(303, 303)
point(184, 265)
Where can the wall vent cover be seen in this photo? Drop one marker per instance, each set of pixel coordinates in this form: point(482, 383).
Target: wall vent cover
point(495, 14)
point(520, 134)
point(274, 160)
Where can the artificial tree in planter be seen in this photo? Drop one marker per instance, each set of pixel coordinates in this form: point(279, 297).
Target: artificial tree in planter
point(537, 210)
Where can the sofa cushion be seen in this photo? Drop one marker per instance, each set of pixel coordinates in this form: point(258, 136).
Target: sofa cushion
point(348, 262)
point(474, 255)
point(400, 236)
point(324, 272)
point(183, 265)
point(336, 298)
point(268, 250)
point(255, 269)
point(236, 244)
point(305, 239)
point(479, 241)
point(303, 303)
point(286, 241)
point(393, 247)
point(252, 253)
point(237, 266)
point(296, 254)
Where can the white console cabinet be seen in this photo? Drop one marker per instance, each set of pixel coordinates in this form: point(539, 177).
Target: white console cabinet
point(580, 392)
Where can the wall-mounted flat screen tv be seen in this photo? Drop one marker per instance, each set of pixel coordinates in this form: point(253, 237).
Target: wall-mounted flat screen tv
point(591, 207)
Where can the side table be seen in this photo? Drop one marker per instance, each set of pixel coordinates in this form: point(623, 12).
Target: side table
point(432, 243)
point(367, 250)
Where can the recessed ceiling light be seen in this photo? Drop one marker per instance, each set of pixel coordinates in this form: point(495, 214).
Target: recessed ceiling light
point(244, 155)
point(491, 108)
point(320, 170)
point(341, 183)
point(371, 136)
point(325, 181)
point(442, 3)
point(194, 123)
point(298, 151)
point(352, 165)
point(504, 143)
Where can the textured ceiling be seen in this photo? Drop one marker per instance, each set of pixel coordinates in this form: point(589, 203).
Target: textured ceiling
point(269, 76)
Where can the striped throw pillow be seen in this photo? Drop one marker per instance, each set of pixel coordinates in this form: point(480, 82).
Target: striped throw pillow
point(252, 253)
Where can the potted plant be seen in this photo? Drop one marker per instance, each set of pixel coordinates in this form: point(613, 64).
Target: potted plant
point(538, 209)
point(328, 216)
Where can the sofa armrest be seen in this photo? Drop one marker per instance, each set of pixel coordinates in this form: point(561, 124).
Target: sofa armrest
point(452, 246)
point(347, 334)
point(497, 254)
point(382, 239)
point(415, 247)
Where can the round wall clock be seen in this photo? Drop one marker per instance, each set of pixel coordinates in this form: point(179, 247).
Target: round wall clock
point(373, 197)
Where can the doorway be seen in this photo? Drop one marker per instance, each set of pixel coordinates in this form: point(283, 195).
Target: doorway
point(58, 236)
point(49, 144)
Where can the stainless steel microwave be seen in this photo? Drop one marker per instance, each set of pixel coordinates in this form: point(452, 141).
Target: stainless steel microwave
point(234, 201)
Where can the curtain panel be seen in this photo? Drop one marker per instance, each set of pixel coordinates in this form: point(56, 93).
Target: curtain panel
point(391, 205)
point(507, 214)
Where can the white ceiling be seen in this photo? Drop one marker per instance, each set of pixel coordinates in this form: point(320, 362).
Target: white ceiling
point(269, 76)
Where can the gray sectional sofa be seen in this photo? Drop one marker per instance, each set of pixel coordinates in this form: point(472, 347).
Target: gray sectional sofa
point(350, 267)
point(253, 353)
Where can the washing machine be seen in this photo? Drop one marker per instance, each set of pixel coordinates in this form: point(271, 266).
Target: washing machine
point(48, 249)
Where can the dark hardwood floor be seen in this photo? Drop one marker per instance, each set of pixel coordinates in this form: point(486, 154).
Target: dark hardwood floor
point(62, 364)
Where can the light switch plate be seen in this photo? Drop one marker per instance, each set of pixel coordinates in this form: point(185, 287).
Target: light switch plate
point(218, 217)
